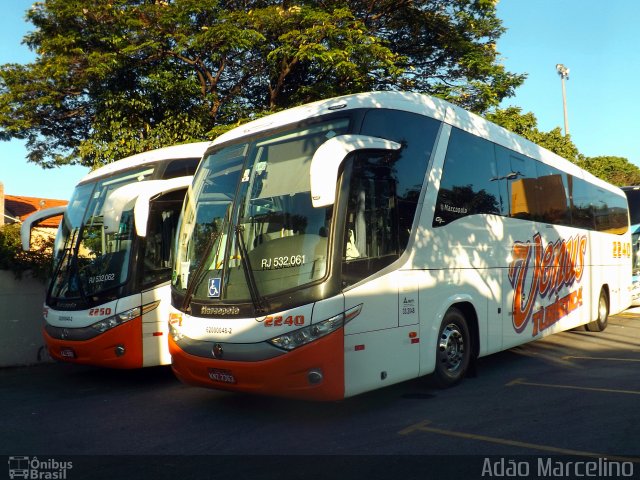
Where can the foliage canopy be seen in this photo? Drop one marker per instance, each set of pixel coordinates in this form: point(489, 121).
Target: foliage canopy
point(616, 170)
point(116, 77)
point(113, 78)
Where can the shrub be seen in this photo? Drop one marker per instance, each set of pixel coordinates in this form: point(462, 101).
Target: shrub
point(38, 260)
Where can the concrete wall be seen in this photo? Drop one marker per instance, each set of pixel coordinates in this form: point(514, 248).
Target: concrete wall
point(21, 320)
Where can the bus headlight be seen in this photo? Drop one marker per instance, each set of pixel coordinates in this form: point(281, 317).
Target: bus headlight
point(117, 319)
point(305, 335)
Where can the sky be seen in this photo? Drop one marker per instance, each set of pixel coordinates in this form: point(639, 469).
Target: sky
point(596, 40)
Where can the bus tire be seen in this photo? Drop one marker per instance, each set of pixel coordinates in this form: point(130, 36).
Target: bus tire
point(453, 350)
point(601, 322)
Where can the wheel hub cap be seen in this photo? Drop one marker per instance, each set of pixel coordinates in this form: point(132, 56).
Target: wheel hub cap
point(451, 347)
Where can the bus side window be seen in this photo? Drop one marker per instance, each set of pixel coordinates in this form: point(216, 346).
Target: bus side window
point(522, 185)
point(611, 213)
point(552, 193)
point(371, 230)
point(158, 245)
point(417, 135)
point(180, 168)
point(470, 182)
point(581, 196)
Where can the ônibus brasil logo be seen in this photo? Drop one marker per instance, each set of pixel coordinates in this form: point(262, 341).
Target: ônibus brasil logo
point(557, 265)
point(34, 468)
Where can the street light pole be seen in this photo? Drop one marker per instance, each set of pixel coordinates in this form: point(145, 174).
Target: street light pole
point(564, 74)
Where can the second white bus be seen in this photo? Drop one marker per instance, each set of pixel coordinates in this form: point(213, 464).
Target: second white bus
point(356, 242)
point(107, 303)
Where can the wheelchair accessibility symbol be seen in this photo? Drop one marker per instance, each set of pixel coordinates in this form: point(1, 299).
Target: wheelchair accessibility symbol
point(214, 287)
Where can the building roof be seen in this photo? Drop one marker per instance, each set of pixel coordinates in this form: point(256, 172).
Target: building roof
point(21, 207)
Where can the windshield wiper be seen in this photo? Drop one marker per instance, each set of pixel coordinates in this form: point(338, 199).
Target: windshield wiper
point(198, 274)
point(260, 304)
point(56, 284)
point(69, 260)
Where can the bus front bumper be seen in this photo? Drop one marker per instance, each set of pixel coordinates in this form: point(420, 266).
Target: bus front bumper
point(312, 372)
point(119, 347)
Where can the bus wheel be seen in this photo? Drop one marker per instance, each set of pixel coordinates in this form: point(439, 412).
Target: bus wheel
point(600, 323)
point(453, 352)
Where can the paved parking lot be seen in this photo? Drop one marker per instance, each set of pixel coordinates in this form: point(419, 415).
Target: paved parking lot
point(572, 395)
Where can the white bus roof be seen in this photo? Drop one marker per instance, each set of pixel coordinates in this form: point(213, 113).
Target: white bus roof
point(417, 103)
point(187, 150)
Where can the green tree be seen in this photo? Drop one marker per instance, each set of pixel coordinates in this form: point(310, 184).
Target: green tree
point(113, 78)
point(616, 170)
point(38, 260)
point(526, 125)
point(449, 47)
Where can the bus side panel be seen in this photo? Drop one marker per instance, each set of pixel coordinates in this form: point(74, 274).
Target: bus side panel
point(549, 283)
point(378, 351)
point(155, 327)
point(611, 266)
point(438, 295)
point(380, 358)
point(514, 252)
point(463, 263)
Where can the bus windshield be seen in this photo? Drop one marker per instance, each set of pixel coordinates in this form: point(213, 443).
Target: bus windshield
point(93, 244)
point(248, 229)
point(633, 198)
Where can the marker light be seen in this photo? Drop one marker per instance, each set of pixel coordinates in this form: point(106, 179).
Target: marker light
point(115, 320)
point(302, 336)
point(175, 320)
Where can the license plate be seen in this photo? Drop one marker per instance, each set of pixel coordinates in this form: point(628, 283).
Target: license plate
point(67, 353)
point(223, 376)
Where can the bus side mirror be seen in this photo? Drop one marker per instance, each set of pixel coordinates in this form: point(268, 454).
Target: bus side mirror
point(27, 224)
point(151, 189)
point(328, 158)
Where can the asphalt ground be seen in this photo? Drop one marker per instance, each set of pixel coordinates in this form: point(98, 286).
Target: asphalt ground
point(572, 398)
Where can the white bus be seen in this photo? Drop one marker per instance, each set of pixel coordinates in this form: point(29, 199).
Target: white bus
point(356, 242)
point(633, 198)
point(107, 303)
